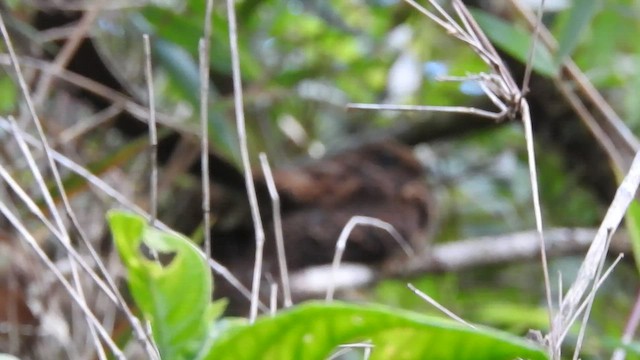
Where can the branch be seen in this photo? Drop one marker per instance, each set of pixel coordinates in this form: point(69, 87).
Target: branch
point(502, 249)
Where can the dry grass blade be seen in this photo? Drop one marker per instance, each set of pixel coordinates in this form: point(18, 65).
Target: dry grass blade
point(56, 175)
point(502, 90)
point(273, 299)
point(532, 50)
point(590, 297)
point(204, 145)
point(153, 133)
point(94, 328)
point(244, 153)
point(608, 124)
point(77, 298)
point(341, 244)
point(277, 223)
point(128, 104)
point(439, 306)
point(126, 203)
point(598, 249)
point(66, 53)
point(449, 109)
point(203, 50)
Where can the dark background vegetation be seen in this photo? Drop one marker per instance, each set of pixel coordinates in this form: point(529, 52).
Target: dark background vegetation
point(302, 62)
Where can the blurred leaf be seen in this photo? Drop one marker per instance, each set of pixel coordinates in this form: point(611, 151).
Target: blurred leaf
point(314, 330)
point(516, 317)
point(580, 15)
point(632, 219)
point(8, 98)
point(516, 42)
point(175, 298)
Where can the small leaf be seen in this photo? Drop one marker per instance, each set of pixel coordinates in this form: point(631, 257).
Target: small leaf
point(516, 42)
point(580, 16)
point(314, 330)
point(174, 298)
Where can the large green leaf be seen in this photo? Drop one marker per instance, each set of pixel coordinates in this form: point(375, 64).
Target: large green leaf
point(516, 42)
point(314, 330)
point(174, 298)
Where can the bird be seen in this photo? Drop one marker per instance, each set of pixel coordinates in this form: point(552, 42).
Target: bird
point(382, 179)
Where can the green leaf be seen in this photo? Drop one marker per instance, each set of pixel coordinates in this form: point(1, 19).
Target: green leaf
point(174, 298)
point(8, 95)
point(314, 330)
point(580, 16)
point(632, 218)
point(516, 42)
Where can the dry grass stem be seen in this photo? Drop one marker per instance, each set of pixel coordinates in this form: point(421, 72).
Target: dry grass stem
point(153, 134)
point(138, 111)
point(204, 144)
point(34, 209)
point(532, 50)
point(246, 163)
point(439, 306)
point(447, 109)
point(89, 124)
point(341, 244)
point(598, 249)
point(503, 92)
point(76, 296)
point(80, 30)
point(589, 300)
point(126, 203)
point(277, 224)
point(273, 299)
point(626, 143)
point(584, 304)
point(204, 47)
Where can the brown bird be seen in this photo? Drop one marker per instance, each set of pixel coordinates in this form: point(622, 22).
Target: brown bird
point(381, 180)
